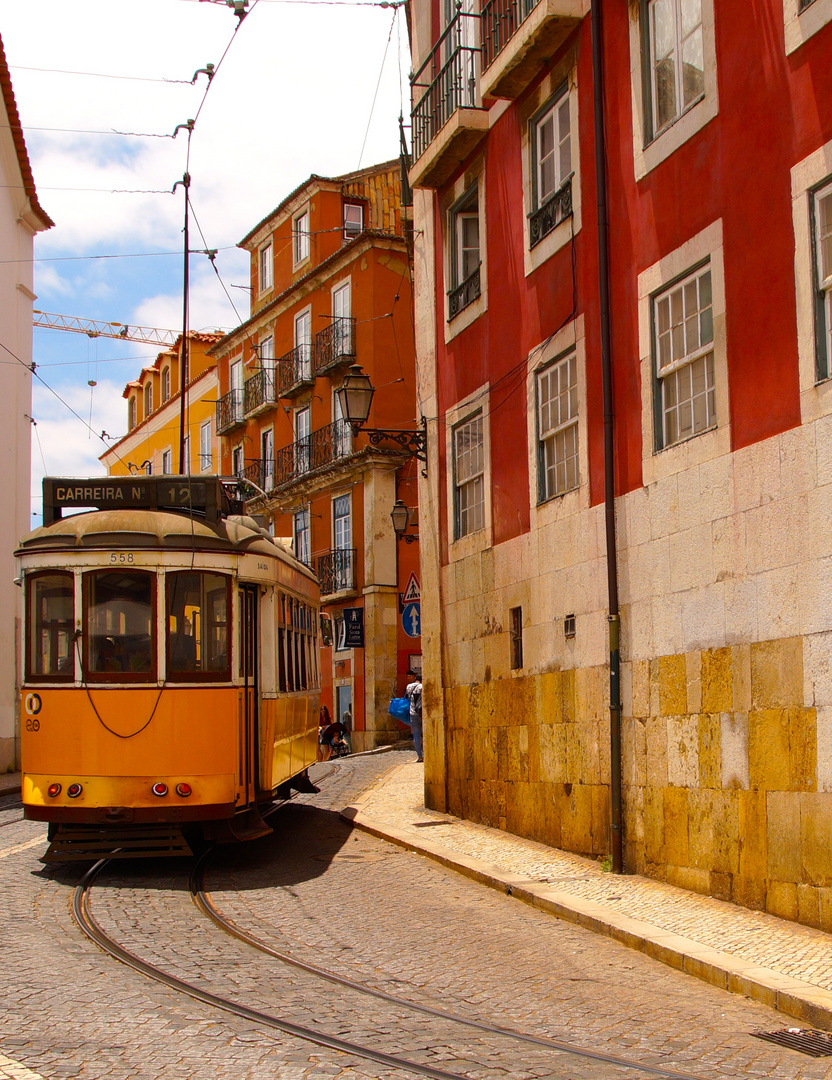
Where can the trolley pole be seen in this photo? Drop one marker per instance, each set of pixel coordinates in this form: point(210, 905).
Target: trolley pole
point(184, 465)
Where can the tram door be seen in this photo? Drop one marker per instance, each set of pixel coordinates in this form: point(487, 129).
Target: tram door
point(248, 765)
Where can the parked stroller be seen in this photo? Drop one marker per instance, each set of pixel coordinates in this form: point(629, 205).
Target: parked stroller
point(335, 736)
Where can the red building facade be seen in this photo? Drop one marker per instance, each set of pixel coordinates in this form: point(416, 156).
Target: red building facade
point(717, 162)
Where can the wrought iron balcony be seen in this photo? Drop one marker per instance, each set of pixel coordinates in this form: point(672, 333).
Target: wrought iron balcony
point(555, 210)
point(448, 81)
point(464, 294)
point(335, 345)
point(516, 36)
point(259, 392)
point(294, 371)
point(230, 411)
point(323, 447)
point(336, 571)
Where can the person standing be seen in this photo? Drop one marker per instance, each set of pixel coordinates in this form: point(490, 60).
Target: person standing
point(413, 693)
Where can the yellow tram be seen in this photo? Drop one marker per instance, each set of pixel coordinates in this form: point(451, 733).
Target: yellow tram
point(170, 666)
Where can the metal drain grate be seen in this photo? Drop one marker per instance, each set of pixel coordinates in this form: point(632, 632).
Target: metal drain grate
point(804, 1040)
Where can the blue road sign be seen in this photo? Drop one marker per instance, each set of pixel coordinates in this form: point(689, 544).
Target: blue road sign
point(412, 619)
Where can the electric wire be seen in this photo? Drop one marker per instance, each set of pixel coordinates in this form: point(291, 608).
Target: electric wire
point(378, 85)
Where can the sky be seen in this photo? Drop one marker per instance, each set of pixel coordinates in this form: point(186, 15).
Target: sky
point(301, 87)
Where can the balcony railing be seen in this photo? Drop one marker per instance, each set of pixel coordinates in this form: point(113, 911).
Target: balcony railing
point(449, 79)
point(464, 294)
point(336, 571)
point(294, 370)
point(335, 345)
point(259, 391)
point(500, 22)
point(555, 210)
point(230, 411)
point(322, 447)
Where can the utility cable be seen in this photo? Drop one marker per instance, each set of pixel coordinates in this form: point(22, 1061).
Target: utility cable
point(378, 85)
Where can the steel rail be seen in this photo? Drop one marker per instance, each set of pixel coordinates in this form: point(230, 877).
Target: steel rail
point(205, 904)
point(90, 927)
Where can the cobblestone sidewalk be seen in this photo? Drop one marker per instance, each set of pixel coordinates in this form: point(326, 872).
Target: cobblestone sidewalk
point(782, 964)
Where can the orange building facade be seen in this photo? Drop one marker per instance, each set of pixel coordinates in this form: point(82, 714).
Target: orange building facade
point(331, 288)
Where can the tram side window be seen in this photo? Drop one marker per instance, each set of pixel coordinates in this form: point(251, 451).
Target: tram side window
point(282, 680)
point(119, 644)
point(197, 621)
point(51, 623)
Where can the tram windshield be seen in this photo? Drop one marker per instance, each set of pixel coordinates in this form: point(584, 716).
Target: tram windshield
point(119, 617)
point(50, 621)
point(197, 617)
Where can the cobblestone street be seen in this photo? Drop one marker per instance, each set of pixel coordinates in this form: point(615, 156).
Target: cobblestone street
point(372, 912)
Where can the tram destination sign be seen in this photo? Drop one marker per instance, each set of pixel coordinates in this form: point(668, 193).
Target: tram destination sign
point(205, 495)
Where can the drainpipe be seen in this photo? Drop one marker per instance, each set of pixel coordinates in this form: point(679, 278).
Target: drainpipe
point(616, 844)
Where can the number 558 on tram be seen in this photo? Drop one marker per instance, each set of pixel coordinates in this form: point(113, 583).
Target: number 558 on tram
point(171, 681)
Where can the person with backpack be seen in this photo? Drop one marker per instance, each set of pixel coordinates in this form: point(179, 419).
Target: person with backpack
point(413, 693)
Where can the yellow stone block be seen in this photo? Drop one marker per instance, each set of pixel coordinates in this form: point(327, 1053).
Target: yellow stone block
point(676, 845)
point(552, 750)
point(600, 795)
point(589, 752)
point(535, 774)
point(673, 685)
point(568, 695)
point(655, 732)
point(721, 885)
point(572, 737)
point(753, 844)
point(710, 750)
point(815, 833)
point(702, 827)
point(741, 677)
point(576, 822)
point(768, 749)
point(687, 877)
point(693, 666)
point(825, 909)
point(602, 729)
point(781, 899)
point(641, 687)
point(682, 751)
point(654, 852)
point(518, 754)
point(777, 673)
point(633, 751)
point(591, 694)
point(549, 698)
point(726, 851)
point(717, 681)
point(783, 836)
point(808, 905)
point(803, 749)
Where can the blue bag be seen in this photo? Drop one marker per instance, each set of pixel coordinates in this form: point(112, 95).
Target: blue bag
point(400, 709)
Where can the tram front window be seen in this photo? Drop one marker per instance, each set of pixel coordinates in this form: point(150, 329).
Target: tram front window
point(197, 618)
point(119, 620)
point(51, 618)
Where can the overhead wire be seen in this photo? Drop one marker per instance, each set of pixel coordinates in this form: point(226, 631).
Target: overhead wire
point(378, 85)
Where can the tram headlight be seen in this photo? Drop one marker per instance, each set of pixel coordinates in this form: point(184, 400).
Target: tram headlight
point(160, 789)
point(184, 790)
point(74, 790)
point(53, 790)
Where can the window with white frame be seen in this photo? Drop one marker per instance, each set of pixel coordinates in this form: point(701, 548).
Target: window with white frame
point(551, 150)
point(237, 461)
point(301, 533)
point(557, 428)
point(342, 541)
point(353, 220)
point(303, 345)
point(166, 462)
point(675, 56)
point(822, 208)
point(267, 456)
point(206, 457)
point(265, 265)
point(235, 379)
point(342, 431)
point(300, 236)
point(148, 399)
point(165, 383)
point(469, 477)
point(302, 441)
point(464, 254)
point(187, 455)
point(683, 331)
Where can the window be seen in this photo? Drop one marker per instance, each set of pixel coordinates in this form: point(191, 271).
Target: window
point(197, 625)
point(265, 267)
point(165, 383)
point(353, 220)
point(187, 454)
point(300, 236)
point(235, 379)
point(206, 457)
point(119, 643)
point(302, 441)
point(148, 399)
point(469, 481)
point(465, 253)
point(342, 542)
point(166, 461)
point(823, 278)
point(515, 621)
point(267, 456)
point(676, 58)
point(303, 346)
point(50, 615)
point(683, 328)
point(237, 461)
point(340, 633)
point(148, 468)
point(301, 531)
point(551, 148)
point(557, 428)
point(342, 431)
point(131, 413)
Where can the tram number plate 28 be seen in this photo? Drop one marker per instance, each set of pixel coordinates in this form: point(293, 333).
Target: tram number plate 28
point(122, 558)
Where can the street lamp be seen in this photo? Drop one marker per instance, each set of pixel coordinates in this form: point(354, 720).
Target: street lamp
point(400, 516)
point(355, 396)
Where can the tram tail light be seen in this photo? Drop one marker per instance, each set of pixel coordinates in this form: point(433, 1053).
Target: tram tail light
point(160, 789)
point(74, 790)
point(53, 790)
point(184, 790)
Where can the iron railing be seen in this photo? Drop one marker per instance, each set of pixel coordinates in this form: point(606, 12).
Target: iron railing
point(501, 19)
point(555, 210)
point(336, 570)
point(335, 344)
point(323, 447)
point(259, 391)
point(230, 411)
point(449, 79)
point(464, 294)
point(294, 370)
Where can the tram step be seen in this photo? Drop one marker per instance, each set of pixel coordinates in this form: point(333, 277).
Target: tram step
point(75, 842)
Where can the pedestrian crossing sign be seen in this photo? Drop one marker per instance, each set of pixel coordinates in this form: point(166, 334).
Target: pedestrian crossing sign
point(413, 592)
